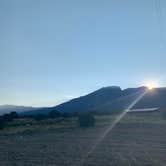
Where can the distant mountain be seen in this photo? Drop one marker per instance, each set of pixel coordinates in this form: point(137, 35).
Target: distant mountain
point(103, 100)
point(9, 108)
point(108, 99)
point(98, 100)
point(128, 96)
point(94, 99)
point(152, 99)
point(85, 103)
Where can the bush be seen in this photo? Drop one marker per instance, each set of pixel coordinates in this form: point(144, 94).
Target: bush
point(14, 115)
point(9, 117)
point(86, 120)
point(54, 114)
point(2, 125)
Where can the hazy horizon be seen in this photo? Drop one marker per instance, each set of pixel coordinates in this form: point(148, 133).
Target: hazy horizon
point(52, 51)
point(66, 100)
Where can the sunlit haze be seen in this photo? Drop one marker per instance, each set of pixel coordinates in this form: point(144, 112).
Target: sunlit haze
point(151, 85)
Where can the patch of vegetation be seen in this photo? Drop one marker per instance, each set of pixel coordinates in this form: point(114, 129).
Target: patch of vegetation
point(138, 140)
point(57, 122)
point(4, 119)
point(86, 120)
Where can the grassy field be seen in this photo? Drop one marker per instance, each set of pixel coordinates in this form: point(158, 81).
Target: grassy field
point(138, 140)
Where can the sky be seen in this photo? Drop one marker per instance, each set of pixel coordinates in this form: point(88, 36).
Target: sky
point(55, 50)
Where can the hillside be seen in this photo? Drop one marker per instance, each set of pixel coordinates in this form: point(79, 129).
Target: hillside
point(91, 100)
point(111, 98)
point(152, 99)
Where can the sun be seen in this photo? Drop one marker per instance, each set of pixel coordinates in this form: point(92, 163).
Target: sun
point(151, 85)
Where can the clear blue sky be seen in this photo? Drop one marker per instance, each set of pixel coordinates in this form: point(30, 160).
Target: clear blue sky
point(53, 50)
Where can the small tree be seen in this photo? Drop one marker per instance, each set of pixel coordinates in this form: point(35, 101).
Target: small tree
point(86, 120)
point(14, 115)
point(7, 117)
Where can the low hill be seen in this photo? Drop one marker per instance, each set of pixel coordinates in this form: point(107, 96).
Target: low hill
point(9, 108)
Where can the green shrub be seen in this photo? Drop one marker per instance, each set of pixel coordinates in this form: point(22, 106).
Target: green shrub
point(14, 115)
point(10, 116)
point(86, 120)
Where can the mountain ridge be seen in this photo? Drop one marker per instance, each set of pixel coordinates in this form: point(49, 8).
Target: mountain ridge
point(107, 99)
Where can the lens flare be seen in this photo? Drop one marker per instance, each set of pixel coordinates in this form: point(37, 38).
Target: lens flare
point(114, 123)
point(151, 85)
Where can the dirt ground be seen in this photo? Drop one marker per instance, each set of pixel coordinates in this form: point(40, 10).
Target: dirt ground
point(129, 144)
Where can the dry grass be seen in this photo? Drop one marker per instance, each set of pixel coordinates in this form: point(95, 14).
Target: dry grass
point(139, 140)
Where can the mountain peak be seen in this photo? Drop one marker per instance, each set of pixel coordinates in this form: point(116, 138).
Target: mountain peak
point(111, 87)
